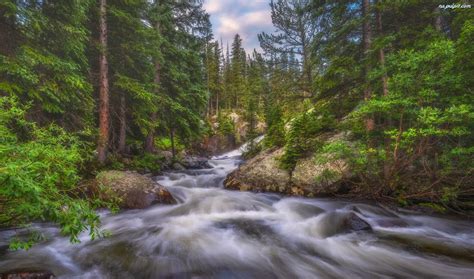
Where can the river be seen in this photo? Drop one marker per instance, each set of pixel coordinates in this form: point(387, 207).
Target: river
point(216, 233)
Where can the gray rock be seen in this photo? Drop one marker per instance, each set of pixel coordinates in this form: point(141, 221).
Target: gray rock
point(334, 223)
point(196, 163)
point(262, 173)
point(129, 189)
point(178, 166)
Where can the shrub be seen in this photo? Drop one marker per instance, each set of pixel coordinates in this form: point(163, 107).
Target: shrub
point(422, 145)
point(276, 128)
point(302, 137)
point(38, 175)
point(147, 162)
point(225, 125)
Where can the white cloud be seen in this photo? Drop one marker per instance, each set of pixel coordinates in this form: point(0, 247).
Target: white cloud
point(213, 6)
point(259, 18)
point(228, 26)
point(245, 17)
point(252, 4)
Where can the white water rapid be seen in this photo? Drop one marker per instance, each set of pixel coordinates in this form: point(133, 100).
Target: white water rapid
point(216, 233)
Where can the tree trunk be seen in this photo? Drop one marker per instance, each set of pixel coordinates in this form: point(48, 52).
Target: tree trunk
point(150, 138)
point(209, 107)
point(388, 121)
point(382, 55)
point(104, 117)
point(217, 104)
point(438, 20)
point(123, 125)
point(307, 73)
point(8, 35)
point(367, 41)
point(173, 148)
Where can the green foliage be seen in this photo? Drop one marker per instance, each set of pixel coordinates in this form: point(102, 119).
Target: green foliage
point(48, 76)
point(296, 31)
point(326, 176)
point(163, 143)
point(424, 138)
point(26, 241)
point(237, 70)
point(38, 175)
point(115, 162)
point(275, 127)
point(147, 162)
point(48, 69)
point(434, 206)
point(253, 150)
point(302, 137)
point(355, 154)
point(225, 125)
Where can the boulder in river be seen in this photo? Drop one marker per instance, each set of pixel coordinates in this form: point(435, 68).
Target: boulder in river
point(133, 190)
point(177, 166)
point(335, 223)
point(260, 174)
point(196, 163)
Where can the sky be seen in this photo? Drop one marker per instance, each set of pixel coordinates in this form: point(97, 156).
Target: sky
point(246, 17)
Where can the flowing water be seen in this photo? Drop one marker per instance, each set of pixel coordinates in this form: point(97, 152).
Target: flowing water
point(215, 233)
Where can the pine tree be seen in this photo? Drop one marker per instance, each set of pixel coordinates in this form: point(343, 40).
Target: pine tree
point(296, 33)
point(367, 45)
point(104, 117)
point(43, 60)
point(159, 18)
point(255, 91)
point(184, 98)
point(213, 76)
point(227, 80)
point(237, 71)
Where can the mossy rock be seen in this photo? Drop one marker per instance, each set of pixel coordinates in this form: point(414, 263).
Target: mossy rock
point(130, 190)
point(262, 173)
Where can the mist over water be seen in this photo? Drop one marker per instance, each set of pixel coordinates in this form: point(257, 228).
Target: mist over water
point(215, 233)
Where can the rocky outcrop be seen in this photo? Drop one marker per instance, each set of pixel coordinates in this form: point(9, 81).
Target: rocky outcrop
point(260, 173)
point(216, 144)
point(219, 143)
point(263, 174)
point(129, 189)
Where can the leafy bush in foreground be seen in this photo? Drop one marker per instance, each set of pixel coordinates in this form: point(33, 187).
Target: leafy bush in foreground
point(38, 175)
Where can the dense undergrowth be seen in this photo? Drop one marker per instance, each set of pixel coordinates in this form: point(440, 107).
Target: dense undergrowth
point(38, 176)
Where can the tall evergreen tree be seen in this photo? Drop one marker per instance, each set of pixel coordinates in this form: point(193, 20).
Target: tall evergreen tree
point(296, 33)
point(237, 70)
point(104, 116)
point(43, 60)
